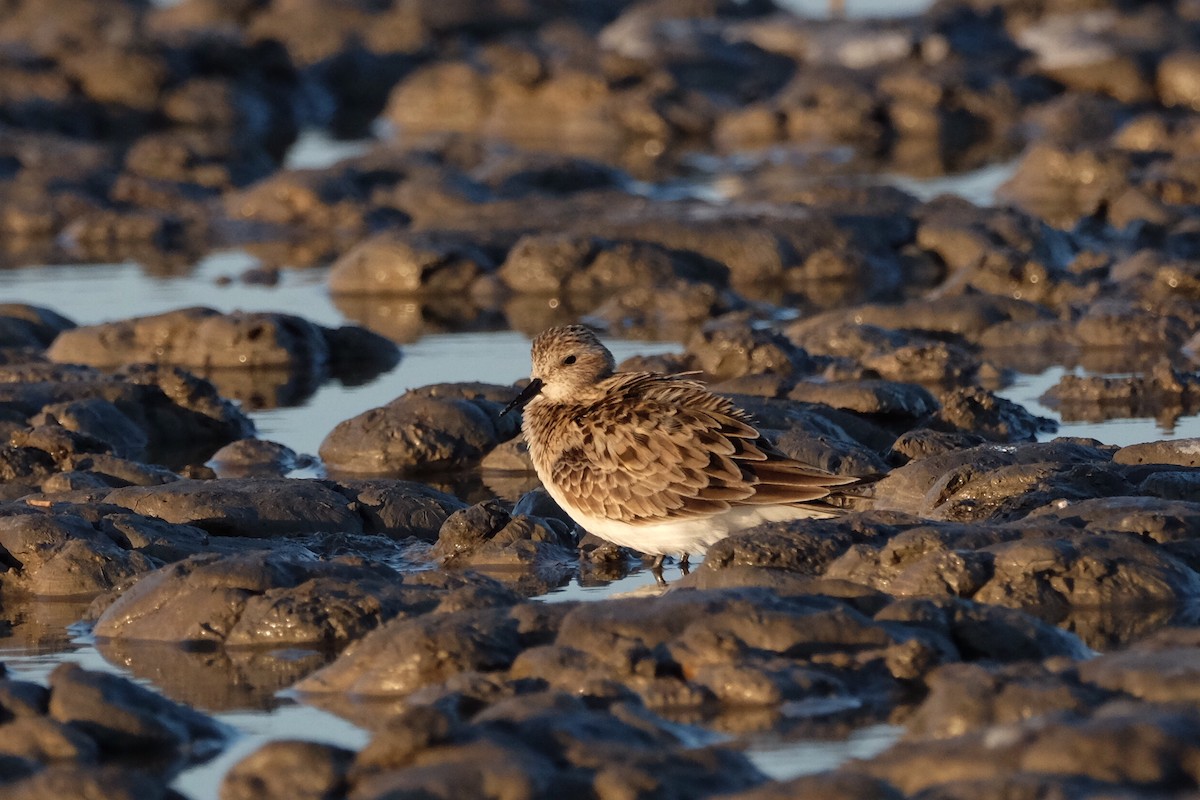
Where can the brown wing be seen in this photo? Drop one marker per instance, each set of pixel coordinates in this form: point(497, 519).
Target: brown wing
point(667, 448)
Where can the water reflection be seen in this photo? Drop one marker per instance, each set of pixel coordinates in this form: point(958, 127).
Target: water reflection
point(222, 679)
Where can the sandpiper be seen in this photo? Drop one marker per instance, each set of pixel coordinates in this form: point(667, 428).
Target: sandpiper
point(656, 463)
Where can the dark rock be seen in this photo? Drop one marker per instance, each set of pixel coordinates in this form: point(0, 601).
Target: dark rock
point(404, 263)
point(726, 351)
point(58, 442)
point(968, 697)
point(433, 428)
point(284, 769)
point(977, 411)
point(250, 458)
point(1049, 569)
point(261, 600)
point(64, 556)
point(923, 485)
point(124, 717)
point(400, 509)
point(115, 472)
point(1158, 669)
point(357, 355)
point(199, 338)
point(922, 443)
point(1163, 392)
point(256, 507)
point(390, 660)
point(535, 553)
point(99, 419)
point(545, 743)
point(30, 326)
point(553, 263)
point(1162, 521)
point(21, 699)
point(84, 780)
point(894, 355)
point(886, 399)
point(823, 786)
point(1115, 745)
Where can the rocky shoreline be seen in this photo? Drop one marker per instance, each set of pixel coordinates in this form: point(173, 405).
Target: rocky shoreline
point(1023, 608)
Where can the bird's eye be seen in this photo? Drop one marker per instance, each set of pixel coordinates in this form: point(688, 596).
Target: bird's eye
point(569, 360)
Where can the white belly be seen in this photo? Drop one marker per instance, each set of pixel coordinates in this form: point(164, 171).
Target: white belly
point(676, 537)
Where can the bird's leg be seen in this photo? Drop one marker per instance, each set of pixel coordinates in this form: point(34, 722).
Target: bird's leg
point(656, 571)
point(684, 566)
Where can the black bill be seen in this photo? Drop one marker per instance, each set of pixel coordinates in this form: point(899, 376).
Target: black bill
point(527, 394)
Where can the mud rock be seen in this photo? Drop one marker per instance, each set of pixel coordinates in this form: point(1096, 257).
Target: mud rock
point(112, 471)
point(1164, 393)
point(434, 428)
point(1122, 323)
point(974, 410)
point(400, 509)
point(923, 443)
point(815, 420)
point(922, 486)
point(884, 399)
point(686, 649)
point(288, 769)
point(1050, 568)
point(510, 456)
point(1063, 185)
point(176, 411)
point(21, 699)
point(552, 263)
point(967, 697)
point(823, 786)
point(1088, 52)
point(1181, 452)
point(1160, 668)
point(23, 469)
point(674, 310)
point(256, 458)
point(58, 442)
point(41, 739)
point(268, 600)
point(101, 420)
point(82, 780)
point(65, 556)
point(726, 351)
point(30, 326)
point(1177, 85)
point(387, 662)
point(548, 741)
point(965, 315)
point(1117, 745)
point(404, 263)
point(255, 507)
point(1162, 521)
point(198, 338)
point(125, 717)
point(830, 452)
point(895, 355)
point(487, 534)
point(803, 546)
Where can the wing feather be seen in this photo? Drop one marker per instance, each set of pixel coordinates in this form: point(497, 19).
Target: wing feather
point(655, 447)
